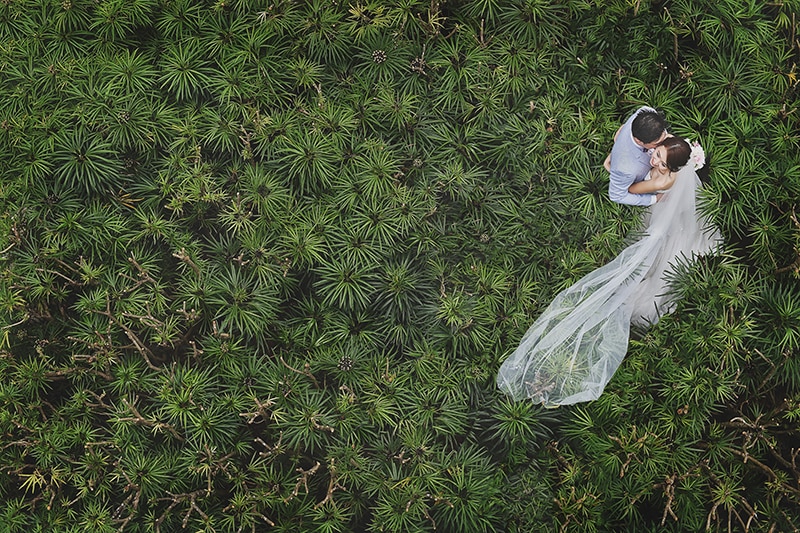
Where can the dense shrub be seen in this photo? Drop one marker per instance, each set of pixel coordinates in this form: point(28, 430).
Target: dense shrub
point(262, 259)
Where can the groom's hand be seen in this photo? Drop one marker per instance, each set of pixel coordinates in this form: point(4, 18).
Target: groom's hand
point(659, 196)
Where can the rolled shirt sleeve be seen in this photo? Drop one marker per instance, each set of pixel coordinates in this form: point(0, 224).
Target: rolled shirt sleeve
point(629, 164)
point(618, 191)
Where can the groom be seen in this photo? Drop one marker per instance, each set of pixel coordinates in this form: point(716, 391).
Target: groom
point(629, 160)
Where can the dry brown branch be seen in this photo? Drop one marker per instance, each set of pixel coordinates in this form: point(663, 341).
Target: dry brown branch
point(138, 344)
point(302, 480)
point(774, 368)
point(261, 412)
point(183, 256)
point(400, 457)
point(215, 331)
point(245, 138)
point(305, 372)
point(143, 274)
point(270, 450)
point(750, 510)
point(66, 372)
point(789, 520)
point(629, 455)
point(142, 421)
point(214, 466)
point(333, 484)
point(789, 465)
point(148, 320)
point(253, 510)
point(767, 470)
point(482, 41)
point(177, 499)
point(59, 274)
point(429, 517)
point(669, 492)
point(794, 265)
point(127, 503)
point(23, 443)
point(317, 425)
point(17, 323)
point(351, 396)
point(435, 22)
point(99, 398)
point(712, 514)
point(191, 315)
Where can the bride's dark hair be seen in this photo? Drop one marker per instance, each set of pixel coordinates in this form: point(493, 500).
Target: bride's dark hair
point(678, 152)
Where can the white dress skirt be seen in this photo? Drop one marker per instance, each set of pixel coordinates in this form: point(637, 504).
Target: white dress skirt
point(571, 351)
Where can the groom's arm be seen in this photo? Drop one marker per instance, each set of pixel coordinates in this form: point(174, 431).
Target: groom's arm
point(607, 162)
point(618, 191)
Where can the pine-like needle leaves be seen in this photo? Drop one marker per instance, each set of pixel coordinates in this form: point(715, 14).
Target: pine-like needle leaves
point(260, 262)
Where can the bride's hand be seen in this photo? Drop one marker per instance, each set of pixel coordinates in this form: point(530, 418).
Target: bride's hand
point(657, 182)
point(664, 181)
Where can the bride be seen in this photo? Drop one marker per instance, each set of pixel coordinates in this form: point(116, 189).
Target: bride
point(570, 353)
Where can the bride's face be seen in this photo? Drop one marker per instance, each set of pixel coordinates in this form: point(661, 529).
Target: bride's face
point(658, 159)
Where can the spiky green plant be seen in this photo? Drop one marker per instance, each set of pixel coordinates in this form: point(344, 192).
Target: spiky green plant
point(259, 263)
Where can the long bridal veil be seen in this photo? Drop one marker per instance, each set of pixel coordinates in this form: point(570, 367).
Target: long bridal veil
point(570, 353)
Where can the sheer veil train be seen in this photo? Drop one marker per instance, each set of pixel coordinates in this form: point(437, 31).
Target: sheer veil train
point(570, 353)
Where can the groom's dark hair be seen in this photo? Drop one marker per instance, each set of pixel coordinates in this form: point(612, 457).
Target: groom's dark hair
point(648, 126)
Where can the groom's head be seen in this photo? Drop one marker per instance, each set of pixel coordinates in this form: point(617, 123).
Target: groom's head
point(649, 128)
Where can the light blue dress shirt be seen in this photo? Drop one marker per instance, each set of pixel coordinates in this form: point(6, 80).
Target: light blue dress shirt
point(630, 163)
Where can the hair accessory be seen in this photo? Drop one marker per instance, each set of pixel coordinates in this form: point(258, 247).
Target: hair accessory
point(697, 156)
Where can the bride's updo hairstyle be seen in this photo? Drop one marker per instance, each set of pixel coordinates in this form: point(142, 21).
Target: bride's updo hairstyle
point(678, 151)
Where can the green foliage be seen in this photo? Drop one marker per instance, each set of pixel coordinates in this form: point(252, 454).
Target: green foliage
point(260, 262)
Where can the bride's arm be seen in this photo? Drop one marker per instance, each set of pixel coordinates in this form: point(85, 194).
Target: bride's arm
point(657, 182)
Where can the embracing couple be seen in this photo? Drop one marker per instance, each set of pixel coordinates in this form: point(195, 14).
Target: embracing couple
point(644, 159)
point(571, 351)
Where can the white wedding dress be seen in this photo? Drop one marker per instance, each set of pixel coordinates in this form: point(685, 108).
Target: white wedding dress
point(570, 353)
